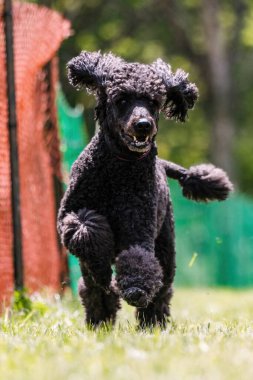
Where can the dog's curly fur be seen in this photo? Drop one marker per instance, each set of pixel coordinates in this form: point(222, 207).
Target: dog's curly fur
point(117, 207)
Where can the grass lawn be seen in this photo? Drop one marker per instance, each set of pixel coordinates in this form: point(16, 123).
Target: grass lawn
point(210, 337)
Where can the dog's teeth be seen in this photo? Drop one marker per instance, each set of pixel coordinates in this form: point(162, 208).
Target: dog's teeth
point(146, 139)
point(134, 137)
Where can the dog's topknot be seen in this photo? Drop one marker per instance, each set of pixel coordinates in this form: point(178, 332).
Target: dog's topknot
point(135, 78)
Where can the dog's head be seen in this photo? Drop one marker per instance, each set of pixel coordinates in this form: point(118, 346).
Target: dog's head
point(131, 96)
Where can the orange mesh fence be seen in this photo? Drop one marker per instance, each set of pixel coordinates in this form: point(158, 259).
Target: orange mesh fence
point(6, 266)
point(38, 33)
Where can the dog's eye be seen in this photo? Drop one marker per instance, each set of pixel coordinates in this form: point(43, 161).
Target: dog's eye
point(121, 102)
point(153, 105)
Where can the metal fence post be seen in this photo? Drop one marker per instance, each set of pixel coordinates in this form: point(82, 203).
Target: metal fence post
point(12, 124)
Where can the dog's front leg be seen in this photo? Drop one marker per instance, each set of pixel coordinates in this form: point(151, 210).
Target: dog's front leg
point(88, 235)
point(139, 275)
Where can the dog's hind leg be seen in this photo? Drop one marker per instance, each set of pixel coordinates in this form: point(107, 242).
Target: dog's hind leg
point(101, 304)
point(158, 311)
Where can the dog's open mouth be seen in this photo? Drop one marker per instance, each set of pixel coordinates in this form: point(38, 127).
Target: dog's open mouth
point(136, 143)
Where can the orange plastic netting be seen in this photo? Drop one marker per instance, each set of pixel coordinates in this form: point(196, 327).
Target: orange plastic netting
point(38, 33)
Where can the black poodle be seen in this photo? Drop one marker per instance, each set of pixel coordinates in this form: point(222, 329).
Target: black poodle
point(117, 208)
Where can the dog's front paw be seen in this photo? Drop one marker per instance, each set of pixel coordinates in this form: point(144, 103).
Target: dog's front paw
point(136, 297)
point(139, 276)
point(74, 233)
point(87, 234)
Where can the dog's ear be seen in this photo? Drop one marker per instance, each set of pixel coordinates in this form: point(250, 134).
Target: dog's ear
point(181, 94)
point(91, 69)
point(83, 71)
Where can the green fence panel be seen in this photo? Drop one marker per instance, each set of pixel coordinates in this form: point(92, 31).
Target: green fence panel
point(73, 138)
point(214, 242)
point(219, 235)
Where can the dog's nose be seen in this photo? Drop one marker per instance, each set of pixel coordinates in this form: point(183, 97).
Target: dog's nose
point(143, 125)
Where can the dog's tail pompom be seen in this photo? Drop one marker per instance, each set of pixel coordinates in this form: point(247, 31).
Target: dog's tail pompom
point(206, 183)
point(86, 232)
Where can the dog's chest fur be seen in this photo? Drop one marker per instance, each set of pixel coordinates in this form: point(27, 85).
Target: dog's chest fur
point(133, 195)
